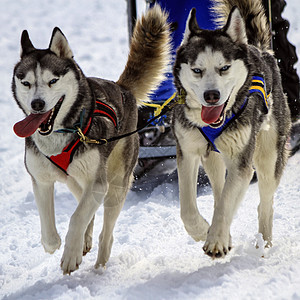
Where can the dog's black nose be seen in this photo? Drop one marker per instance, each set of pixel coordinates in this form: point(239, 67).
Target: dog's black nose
point(38, 104)
point(211, 96)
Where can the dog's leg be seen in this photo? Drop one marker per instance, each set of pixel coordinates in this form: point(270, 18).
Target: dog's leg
point(194, 223)
point(267, 187)
point(92, 197)
point(112, 208)
point(218, 241)
point(269, 160)
point(88, 236)
point(113, 204)
point(215, 169)
point(119, 175)
point(44, 197)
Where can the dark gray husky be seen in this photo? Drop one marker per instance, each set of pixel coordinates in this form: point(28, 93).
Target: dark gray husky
point(65, 112)
point(235, 117)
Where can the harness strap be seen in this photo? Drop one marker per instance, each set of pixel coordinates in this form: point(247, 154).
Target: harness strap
point(63, 160)
point(104, 110)
point(118, 137)
point(163, 109)
point(257, 86)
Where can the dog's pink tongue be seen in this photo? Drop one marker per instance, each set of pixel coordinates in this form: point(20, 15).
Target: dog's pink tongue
point(211, 114)
point(30, 124)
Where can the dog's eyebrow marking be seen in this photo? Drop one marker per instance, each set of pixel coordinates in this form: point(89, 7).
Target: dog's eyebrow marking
point(20, 75)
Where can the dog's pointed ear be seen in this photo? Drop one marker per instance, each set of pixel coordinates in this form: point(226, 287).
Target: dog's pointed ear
point(59, 44)
point(191, 25)
point(26, 45)
point(235, 27)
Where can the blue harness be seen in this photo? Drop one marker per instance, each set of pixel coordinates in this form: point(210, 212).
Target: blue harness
point(257, 86)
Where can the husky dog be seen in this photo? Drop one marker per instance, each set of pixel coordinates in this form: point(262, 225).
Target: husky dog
point(235, 117)
point(59, 102)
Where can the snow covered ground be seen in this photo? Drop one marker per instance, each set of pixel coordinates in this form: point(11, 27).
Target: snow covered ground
point(152, 255)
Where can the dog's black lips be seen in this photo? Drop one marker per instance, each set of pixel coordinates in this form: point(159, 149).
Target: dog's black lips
point(47, 126)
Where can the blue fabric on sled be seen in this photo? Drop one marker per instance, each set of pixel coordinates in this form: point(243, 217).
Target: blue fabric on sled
point(178, 14)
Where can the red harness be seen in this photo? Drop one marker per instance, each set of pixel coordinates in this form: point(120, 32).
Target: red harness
point(64, 159)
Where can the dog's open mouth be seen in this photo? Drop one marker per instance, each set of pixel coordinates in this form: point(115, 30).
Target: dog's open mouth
point(46, 126)
point(41, 122)
point(214, 115)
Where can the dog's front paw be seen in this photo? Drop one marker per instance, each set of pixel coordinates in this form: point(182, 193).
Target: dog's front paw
point(217, 245)
point(72, 256)
point(51, 244)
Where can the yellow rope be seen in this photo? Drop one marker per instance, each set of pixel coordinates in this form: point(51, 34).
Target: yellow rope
point(159, 107)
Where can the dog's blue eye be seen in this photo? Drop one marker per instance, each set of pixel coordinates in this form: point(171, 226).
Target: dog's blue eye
point(54, 80)
point(197, 71)
point(225, 68)
point(25, 83)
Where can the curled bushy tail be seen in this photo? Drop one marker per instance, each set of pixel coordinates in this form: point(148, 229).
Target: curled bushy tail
point(149, 54)
point(253, 13)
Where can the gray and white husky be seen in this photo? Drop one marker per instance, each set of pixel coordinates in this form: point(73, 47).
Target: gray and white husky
point(59, 103)
point(235, 117)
